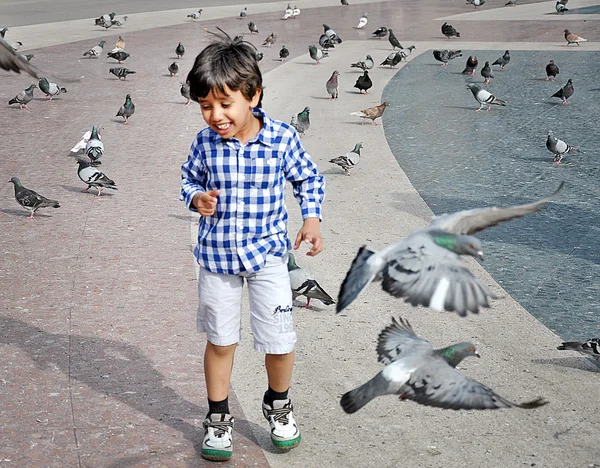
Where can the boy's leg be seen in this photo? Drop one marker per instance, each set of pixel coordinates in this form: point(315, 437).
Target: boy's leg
point(279, 370)
point(218, 364)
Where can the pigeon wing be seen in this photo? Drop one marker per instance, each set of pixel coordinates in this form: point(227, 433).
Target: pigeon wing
point(398, 340)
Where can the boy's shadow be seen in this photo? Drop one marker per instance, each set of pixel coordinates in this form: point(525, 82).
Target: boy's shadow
point(118, 370)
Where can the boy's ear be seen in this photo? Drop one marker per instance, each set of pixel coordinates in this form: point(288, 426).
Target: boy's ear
point(256, 98)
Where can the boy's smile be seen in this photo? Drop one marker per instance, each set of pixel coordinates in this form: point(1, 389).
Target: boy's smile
point(230, 114)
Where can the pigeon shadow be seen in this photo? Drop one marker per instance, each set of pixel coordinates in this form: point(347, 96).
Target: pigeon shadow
point(582, 363)
point(319, 97)
point(460, 107)
point(539, 79)
point(70, 188)
point(180, 217)
point(14, 212)
point(595, 89)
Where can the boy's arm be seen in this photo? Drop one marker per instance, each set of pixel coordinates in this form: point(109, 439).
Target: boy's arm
point(193, 178)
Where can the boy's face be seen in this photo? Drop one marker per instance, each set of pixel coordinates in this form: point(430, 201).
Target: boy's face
point(230, 114)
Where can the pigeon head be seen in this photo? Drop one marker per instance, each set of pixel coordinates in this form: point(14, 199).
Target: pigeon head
point(455, 353)
point(474, 86)
point(459, 243)
point(16, 181)
point(291, 262)
point(82, 163)
point(101, 44)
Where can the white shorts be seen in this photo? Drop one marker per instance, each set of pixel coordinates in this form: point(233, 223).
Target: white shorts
point(270, 293)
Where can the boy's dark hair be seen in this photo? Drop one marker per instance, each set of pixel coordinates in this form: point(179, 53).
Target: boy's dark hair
point(226, 62)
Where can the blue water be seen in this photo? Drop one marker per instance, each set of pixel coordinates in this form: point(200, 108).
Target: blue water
point(459, 159)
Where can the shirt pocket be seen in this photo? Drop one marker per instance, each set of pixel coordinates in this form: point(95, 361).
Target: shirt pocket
point(264, 172)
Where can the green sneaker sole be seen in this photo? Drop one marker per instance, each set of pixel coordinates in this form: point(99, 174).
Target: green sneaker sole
point(216, 455)
point(287, 444)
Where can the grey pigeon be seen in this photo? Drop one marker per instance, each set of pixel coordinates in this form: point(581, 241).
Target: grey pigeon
point(127, 109)
point(573, 38)
point(449, 31)
point(406, 51)
point(316, 54)
point(94, 147)
point(380, 32)
point(325, 42)
point(425, 268)
point(3, 32)
point(179, 50)
point(196, 15)
point(30, 200)
point(244, 12)
point(471, 66)
point(284, 53)
point(558, 147)
point(565, 92)
point(105, 20)
point(445, 55)
point(304, 284)
point(560, 7)
point(363, 83)
point(302, 122)
point(394, 40)
point(392, 60)
point(252, 27)
point(551, 71)
point(511, 3)
point(50, 89)
point(333, 86)
point(119, 55)
point(372, 112)
point(367, 64)
point(344, 2)
point(119, 22)
point(484, 97)
point(259, 56)
point(590, 347)
point(475, 3)
point(331, 34)
point(24, 97)
point(270, 40)
point(486, 72)
point(503, 61)
point(415, 371)
point(93, 177)
point(349, 160)
point(95, 51)
point(121, 72)
point(16, 45)
point(185, 92)
point(173, 69)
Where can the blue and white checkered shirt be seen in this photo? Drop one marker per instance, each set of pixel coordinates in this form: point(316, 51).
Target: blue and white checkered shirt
point(250, 220)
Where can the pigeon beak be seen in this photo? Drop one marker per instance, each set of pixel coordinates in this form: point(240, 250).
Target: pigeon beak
point(480, 255)
point(477, 354)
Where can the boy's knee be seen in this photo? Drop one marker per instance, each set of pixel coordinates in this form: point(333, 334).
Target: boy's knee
point(220, 351)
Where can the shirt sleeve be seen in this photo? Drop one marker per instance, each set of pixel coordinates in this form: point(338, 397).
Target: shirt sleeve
point(308, 185)
point(193, 176)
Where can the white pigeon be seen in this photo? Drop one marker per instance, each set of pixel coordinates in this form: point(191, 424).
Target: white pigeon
point(81, 145)
point(362, 22)
point(289, 12)
point(296, 11)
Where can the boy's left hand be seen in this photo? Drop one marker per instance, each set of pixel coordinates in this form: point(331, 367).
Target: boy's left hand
point(311, 234)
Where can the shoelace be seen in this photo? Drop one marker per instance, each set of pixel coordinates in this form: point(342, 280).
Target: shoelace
point(220, 428)
point(280, 414)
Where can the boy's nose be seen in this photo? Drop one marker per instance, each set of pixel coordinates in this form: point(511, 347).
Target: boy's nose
point(217, 113)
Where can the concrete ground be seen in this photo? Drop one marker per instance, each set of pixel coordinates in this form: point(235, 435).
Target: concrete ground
point(102, 365)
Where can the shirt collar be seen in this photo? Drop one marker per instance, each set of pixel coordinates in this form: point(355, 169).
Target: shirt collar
point(266, 135)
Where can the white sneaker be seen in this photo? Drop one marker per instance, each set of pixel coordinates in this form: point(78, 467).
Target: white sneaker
point(285, 433)
point(217, 444)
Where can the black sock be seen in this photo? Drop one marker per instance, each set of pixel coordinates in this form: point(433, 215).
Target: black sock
point(218, 406)
point(271, 395)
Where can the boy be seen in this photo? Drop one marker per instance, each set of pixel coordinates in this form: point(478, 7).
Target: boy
point(235, 178)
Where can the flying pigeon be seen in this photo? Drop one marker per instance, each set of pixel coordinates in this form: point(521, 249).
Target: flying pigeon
point(121, 72)
point(93, 177)
point(372, 112)
point(475, 3)
point(425, 268)
point(380, 32)
point(179, 50)
point(316, 54)
point(590, 347)
point(449, 31)
point(95, 51)
point(558, 147)
point(302, 122)
point(331, 34)
point(560, 7)
point(349, 160)
point(484, 97)
point(367, 64)
point(392, 60)
point(252, 27)
point(565, 92)
point(486, 72)
point(394, 40)
point(284, 53)
point(270, 40)
point(30, 200)
point(325, 42)
point(119, 45)
point(362, 22)
point(24, 97)
point(11, 61)
point(296, 11)
point(503, 61)
point(363, 83)
point(185, 92)
point(551, 71)
point(333, 86)
point(415, 371)
point(304, 284)
point(196, 15)
point(446, 55)
point(50, 89)
point(127, 109)
point(471, 66)
point(94, 147)
point(244, 12)
point(173, 69)
point(120, 55)
point(573, 38)
point(289, 12)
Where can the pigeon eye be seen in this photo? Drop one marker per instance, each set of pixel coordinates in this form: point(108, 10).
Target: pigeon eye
point(471, 246)
point(470, 348)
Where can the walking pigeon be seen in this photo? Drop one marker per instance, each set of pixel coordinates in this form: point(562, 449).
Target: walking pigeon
point(244, 12)
point(316, 54)
point(449, 31)
point(344, 2)
point(119, 21)
point(367, 64)
point(380, 32)
point(119, 45)
point(558, 147)
point(95, 51)
point(349, 160)
point(333, 86)
point(93, 177)
point(331, 34)
point(289, 12)
point(30, 200)
point(511, 3)
point(325, 42)
point(270, 40)
point(362, 22)
point(425, 268)
point(503, 61)
point(304, 284)
point(259, 56)
point(252, 27)
point(50, 89)
point(486, 72)
point(394, 40)
point(195, 15)
point(24, 97)
point(94, 147)
point(475, 3)
point(565, 92)
point(406, 51)
point(560, 7)
point(418, 372)
point(179, 50)
point(590, 347)
point(551, 71)
point(446, 55)
point(471, 66)
point(173, 69)
point(3, 32)
point(372, 112)
point(127, 109)
point(119, 55)
point(302, 122)
point(363, 83)
point(121, 72)
point(573, 38)
point(185, 92)
point(284, 53)
point(296, 11)
point(392, 60)
point(484, 97)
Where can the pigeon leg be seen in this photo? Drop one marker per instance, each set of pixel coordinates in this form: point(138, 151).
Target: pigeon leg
point(374, 123)
point(31, 215)
point(99, 190)
point(187, 103)
point(565, 102)
point(489, 107)
point(307, 304)
point(86, 190)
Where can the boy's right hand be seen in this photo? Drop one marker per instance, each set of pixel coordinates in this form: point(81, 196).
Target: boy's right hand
point(206, 202)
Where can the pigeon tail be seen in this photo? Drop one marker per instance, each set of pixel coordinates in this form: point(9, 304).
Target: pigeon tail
point(532, 404)
point(361, 273)
point(355, 399)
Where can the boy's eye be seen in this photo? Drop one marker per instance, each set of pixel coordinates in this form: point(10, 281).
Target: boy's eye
point(205, 107)
point(225, 105)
